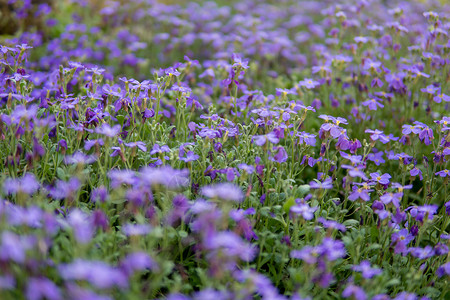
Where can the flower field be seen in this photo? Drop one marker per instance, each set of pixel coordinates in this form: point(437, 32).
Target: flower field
point(225, 150)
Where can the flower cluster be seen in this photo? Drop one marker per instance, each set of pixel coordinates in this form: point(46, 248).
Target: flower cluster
point(239, 150)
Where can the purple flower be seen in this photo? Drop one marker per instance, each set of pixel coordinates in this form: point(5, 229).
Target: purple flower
point(27, 184)
point(366, 270)
point(307, 138)
point(360, 193)
point(416, 172)
point(223, 191)
point(308, 254)
point(247, 168)
point(441, 96)
point(431, 89)
point(159, 149)
point(441, 249)
point(13, 247)
point(280, 155)
point(422, 253)
point(97, 273)
point(42, 288)
point(395, 198)
point(172, 72)
point(138, 144)
point(88, 144)
point(231, 245)
point(82, 226)
point(238, 62)
point(79, 158)
point(379, 209)
point(373, 103)
point(137, 261)
point(377, 158)
point(332, 249)
point(326, 184)
point(443, 270)
point(332, 224)
point(107, 130)
point(443, 173)
point(260, 140)
point(304, 210)
point(382, 179)
point(423, 213)
point(377, 135)
point(354, 291)
point(65, 189)
point(165, 176)
point(400, 240)
point(309, 83)
point(136, 229)
point(190, 156)
point(355, 171)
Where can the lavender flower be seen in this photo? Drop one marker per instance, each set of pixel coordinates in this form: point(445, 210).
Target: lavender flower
point(224, 191)
point(303, 210)
point(27, 184)
point(366, 270)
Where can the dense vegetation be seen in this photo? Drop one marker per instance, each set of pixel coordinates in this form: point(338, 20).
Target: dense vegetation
point(225, 150)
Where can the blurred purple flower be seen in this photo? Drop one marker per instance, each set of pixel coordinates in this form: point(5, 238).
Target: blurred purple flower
point(224, 191)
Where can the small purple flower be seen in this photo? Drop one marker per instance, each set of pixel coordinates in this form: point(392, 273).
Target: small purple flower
point(326, 184)
point(28, 184)
point(65, 189)
point(382, 179)
point(395, 198)
point(224, 191)
point(108, 130)
point(304, 210)
point(247, 168)
point(377, 135)
point(82, 226)
point(332, 249)
point(416, 172)
point(136, 229)
point(260, 140)
point(138, 144)
point(441, 249)
point(280, 155)
point(400, 240)
point(443, 270)
point(307, 138)
point(98, 273)
point(355, 171)
point(373, 103)
point(165, 176)
point(443, 173)
point(332, 224)
point(309, 83)
point(366, 270)
point(190, 156)
point(308, 254)
point(431, 89)
point(354, 291)
point(42, 288)
point(422, 253)
point(360, 193)
point(423, 213)
point(157, 149)
point(119, 177)
point(137, 261)
point(231, 244)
